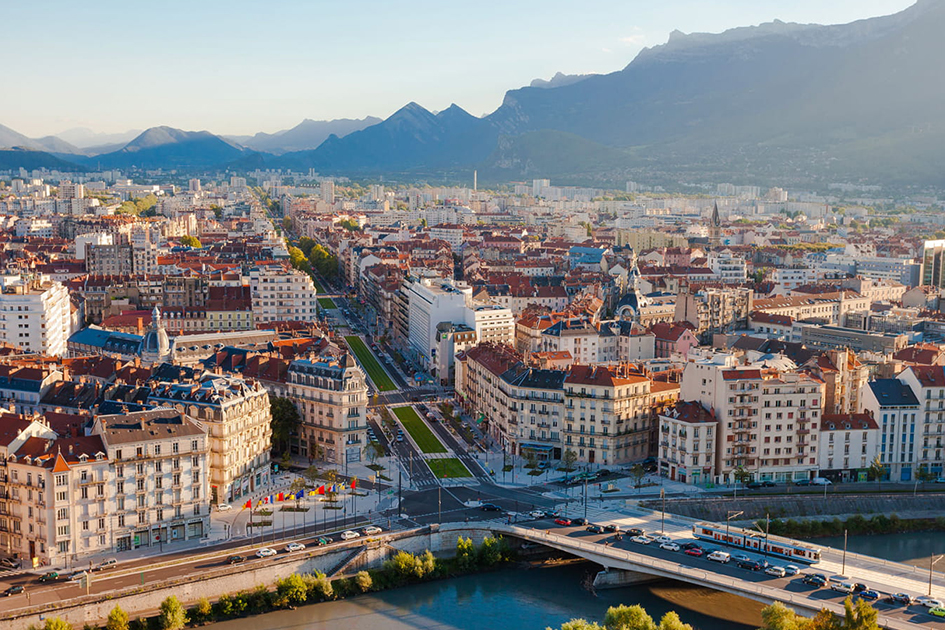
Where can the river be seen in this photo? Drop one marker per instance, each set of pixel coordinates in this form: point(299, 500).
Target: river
point(541, 597)
point(519, 599)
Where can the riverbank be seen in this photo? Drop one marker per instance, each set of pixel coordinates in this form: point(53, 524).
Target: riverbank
point(855, 525)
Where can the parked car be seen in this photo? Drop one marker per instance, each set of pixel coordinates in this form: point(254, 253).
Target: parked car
point(551, 513)
point(49, 576)
point(266, 552)
point(372, 530)
point(751, 565)
point(579, 521)
point(13, 590)
point(802, 482)
point(901, 598)
point(663, 539)
point(563, 521)
point(820, 481)
point(78, 575)
point(224, 507)
point(635, 531)
point(349, 535)
point(669, 546)
point(859, 587)
point(753, 485)
point(719, 556)
point(938, 611)
point(869, 595)
point(594, 529)
point(612, 529)
point(741, 557)
point(537, 514)
point(108, 563)
point(842, 587)
point(490, 507)
point(767, 483)
point(929, 602)
point(696, 552)
point(776, 571)
point(294, 546)
point(643, 540)
point(690, 545)
point(235, 559)
point(10, 563)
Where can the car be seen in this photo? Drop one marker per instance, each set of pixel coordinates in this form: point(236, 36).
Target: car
point(842, 587)
point(901, 598)
point(10, 563)
point(813, 580)
point(819, 576)
point(551, 513)
point(669, 546)
point(820, 481)
point(78, 575)
point(537, 514)
point(322, 540)
point(753, 485)
point(741, 557)
point(235, 559)
point(929, 602)
point(635, 531)
point(690, 545)
point(612, 529)
point(751, 565)
point(695, 552)
point(938, 611)
point(563, 521)
point(13, 590)
point(792, 569)
point(349, 535)
point(108, 563)
point(776, 571)
point(767, 483)
point(579, 521)
point(372, 530)
point(224, 507)
point(859, 587)
point(719, 556)
point(266, 552)
point(643, 540)
point(802, 482)
point(490, 507)
point(49, 576)
point(869, 595)
point(294, 546)
point(400, 437)
point(594, 529)
point(663, 539)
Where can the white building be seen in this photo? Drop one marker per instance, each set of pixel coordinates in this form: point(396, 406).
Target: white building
point(280, 293)
point(687, 442)
point(729, 268)
point(35, 314)
point(848, 444)
point(894, 406)
point(493, 324)
point(432, 302)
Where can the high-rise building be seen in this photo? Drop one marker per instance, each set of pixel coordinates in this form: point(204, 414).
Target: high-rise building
point(69, 190)
point(36, 315)
point(933, 264)
point(281, 294)
point(328, 191)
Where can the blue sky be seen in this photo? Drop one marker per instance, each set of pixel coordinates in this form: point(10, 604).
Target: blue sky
point(240, 67)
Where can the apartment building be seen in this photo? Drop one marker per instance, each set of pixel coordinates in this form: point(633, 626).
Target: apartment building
point(712, 310)
point(898, 413)
point(430, 303)
point(281, 293)
point(768, 418)
point(848, 444)
point(493, 324)
point(928, 384)
point(237, 418)
point(332, 397)
point(687, 443)
point(35, 315)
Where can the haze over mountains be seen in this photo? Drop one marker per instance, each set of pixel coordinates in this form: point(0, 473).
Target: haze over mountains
point(803, 103)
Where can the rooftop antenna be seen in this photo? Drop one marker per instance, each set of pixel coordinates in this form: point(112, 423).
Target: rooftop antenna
point(475, 180)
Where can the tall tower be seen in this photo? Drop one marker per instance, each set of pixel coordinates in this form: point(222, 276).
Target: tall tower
point(715, 227)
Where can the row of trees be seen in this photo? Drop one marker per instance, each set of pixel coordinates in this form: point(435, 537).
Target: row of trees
point(855, 525)
point(316, 256)
point(857, 616)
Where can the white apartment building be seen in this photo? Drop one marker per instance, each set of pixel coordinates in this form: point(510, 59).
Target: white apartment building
point(493, 324)
point(431, 302)
point(848, 444)
point(898, 413)
point(928, 385)
point(768, 418)
point(280, 293)
point(237, 418)
point(729, 268)
point(332, 397)
point(687, 442)
point(787, 278)
point(35, 314)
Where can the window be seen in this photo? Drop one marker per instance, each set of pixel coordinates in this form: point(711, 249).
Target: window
point(62, 480)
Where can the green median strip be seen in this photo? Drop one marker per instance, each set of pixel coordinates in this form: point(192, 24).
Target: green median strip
point(326, 303)
point(419, 431)
point(449, 468)
point(374, 370)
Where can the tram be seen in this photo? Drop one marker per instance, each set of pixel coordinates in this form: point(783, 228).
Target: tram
point(756, 541)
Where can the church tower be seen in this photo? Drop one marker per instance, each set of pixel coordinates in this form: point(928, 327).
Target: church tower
point(715, 228)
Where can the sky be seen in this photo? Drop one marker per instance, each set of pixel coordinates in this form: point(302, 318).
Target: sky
point(239, 67)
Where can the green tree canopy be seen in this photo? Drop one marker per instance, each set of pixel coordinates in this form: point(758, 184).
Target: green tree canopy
point(285, 421)
point(117, 619)
point(172, 615)
point(190, 241)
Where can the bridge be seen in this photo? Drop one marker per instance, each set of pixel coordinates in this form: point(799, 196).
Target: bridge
point(625, 563)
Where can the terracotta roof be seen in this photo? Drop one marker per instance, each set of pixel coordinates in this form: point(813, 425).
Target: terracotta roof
point(847, 421)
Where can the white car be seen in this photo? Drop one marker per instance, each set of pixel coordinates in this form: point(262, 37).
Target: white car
point(776, 571)
point(372, 530)
point(723, 557)
point(349, 535)
point(643, 540)
point(929, 602)
point(669, 546)
point(294, 546)
point(108, 563)
point(663, 539)
point(224, 507)
point(536, 514)
point(266, 552)
point(78, 575)
point(792, 569)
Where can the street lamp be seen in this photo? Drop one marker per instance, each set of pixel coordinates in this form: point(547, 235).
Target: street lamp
point(843, 570)
point(731, 514)
point(932, 564)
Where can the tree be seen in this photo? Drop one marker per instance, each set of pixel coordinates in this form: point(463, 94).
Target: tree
point(859, 616)
point(531, 460)
point(924, 475)
point(671, 621)
point(330, 478)
point(172, 615)
point(297, 487)
point(637, 473)
point(285, 421)
point(190, 241)
point(311, 475)
point(291, 590)
point(777, 616)
point(373, 451)
point(363, 581)
point(628, 618)
point(55, 623)
point(741, 475)
point(465, 553)
point(287, 224)
point(568, 460)
point(203, 609)
point(877, 471)
point(117, 619)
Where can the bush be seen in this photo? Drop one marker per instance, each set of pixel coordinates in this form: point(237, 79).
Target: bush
point(202, 611)
point(172, 615)
point(363, 581)
point(224, 606)
point(117, 619)
point(55, 623)
point(318, 587)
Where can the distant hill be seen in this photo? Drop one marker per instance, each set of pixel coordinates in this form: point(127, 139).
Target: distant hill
point(85, 138)
point(308, 134)
point(413, 137)
point(10, 138)
point(23, 158)
point(166, 147)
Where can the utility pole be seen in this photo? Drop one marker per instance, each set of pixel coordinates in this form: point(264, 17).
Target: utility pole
point(663, 511)
point(585, 498)
point(843, 570)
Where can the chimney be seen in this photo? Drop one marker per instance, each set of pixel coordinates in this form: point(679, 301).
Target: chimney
point(140, 325)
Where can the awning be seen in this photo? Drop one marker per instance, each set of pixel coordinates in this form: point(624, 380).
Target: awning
point(535, 447)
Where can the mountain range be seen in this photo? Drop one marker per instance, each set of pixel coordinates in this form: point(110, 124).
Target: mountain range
point(789, 103)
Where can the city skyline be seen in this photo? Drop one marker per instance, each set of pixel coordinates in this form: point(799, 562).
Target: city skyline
point(243, 77)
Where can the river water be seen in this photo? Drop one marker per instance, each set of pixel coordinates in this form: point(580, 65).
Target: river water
point(541, 597)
